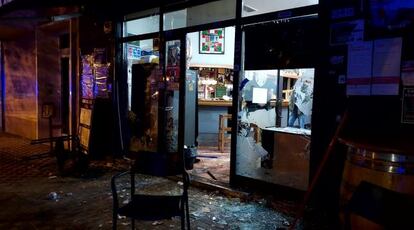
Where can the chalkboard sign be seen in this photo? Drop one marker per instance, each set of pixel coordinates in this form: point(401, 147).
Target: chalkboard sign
point(220, 91)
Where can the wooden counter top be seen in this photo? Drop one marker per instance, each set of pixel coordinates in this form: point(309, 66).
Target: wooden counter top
point(290, 130)
point(228, 103)
point(214, 103)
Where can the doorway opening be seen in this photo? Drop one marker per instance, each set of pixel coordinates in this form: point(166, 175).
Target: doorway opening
point(64, 72)
point(209, 80)
point(54, 81)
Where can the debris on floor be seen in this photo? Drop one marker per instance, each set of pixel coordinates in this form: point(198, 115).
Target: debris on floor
point(53, 196)
point(86, 202)
point(157, 223)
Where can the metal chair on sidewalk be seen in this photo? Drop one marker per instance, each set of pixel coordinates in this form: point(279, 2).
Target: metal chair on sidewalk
point(147, 206)
point(70, 155)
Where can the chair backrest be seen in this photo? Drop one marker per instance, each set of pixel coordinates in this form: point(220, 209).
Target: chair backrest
point(158, 163)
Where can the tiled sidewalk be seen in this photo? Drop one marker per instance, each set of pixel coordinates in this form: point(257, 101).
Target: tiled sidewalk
point(14, 159)
point(86, 202)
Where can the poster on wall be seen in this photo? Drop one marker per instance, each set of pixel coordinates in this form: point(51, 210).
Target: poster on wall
point(101, 78)
point(347, 32)
point(407, 73)
point(386, 66)
point(359, 68)
point(407, 115)
point(389, 15)
point(172, 71)
point(87, 77)
point(212, 41)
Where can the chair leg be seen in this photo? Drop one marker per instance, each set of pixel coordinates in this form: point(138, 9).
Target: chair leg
point(182, 222)
point(114, 220)
point(221, 134)
point(182, 215)
point(223, 141)
point(187, 215)
point(132, 223)
point(347, 220)
point(219, 141)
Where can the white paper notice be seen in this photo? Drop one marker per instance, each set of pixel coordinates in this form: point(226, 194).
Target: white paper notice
point(386, 66)
point(407, 73)
point(407, 115)
point(359, 68)
point(259, 95)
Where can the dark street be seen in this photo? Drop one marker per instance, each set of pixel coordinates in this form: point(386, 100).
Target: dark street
point(27, 187)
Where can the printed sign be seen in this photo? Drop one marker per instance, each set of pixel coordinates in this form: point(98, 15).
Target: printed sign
point(407, 115)
point(134, 52)
point(386, 66)
point(407, 73)
point(359, 68)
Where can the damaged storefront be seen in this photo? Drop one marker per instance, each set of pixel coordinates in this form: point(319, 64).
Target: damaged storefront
point(265, 91)
point(233, 88)
point(275, 101)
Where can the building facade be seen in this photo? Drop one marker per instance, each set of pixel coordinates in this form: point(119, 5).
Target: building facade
point(156, 76)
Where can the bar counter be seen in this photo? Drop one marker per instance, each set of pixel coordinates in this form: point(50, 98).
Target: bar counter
point(208, 114)
point(203, 102)
point(289, 153)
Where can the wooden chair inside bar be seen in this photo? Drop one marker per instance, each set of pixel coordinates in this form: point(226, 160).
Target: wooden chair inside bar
point(223, 129)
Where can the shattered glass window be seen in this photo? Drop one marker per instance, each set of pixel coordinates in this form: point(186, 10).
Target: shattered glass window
point(274, 126)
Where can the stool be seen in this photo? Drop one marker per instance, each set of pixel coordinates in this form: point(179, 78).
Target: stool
point(257, 135)
point(222, 139)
